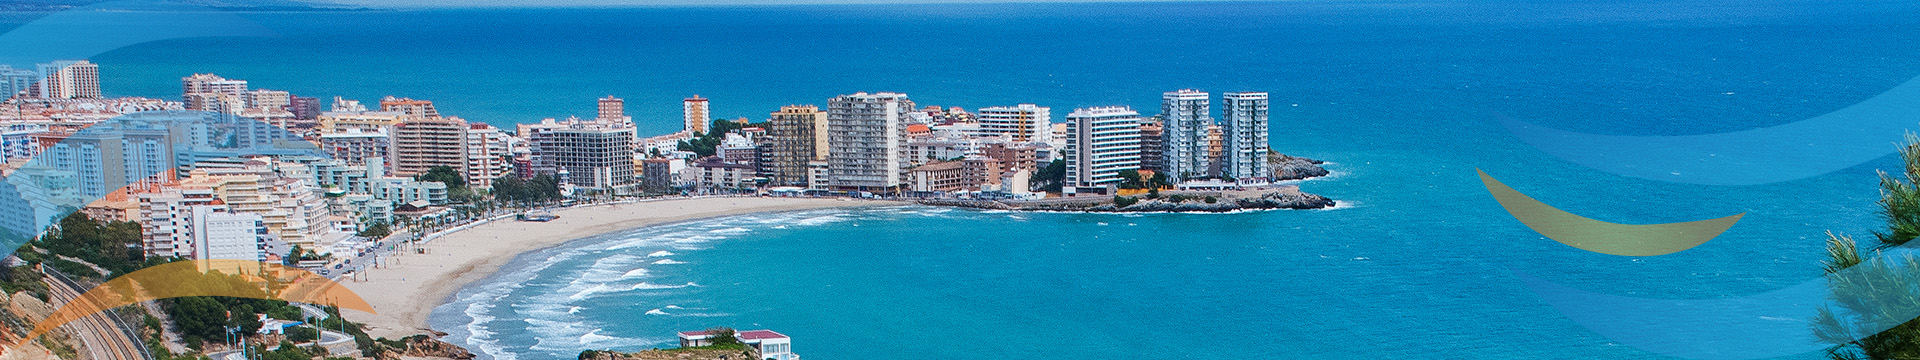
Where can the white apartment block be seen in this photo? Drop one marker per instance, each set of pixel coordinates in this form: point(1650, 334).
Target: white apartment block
point(591, 154)
point(489, 155)
point(1021, 123)
point(1101, 142)
point(166, 220)
point(1244, 121)
point(865, 136)
point(69, 79)
point(219, 233)
point(1186, 113)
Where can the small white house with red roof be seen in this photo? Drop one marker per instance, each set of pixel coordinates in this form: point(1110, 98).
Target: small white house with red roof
point(770, 344)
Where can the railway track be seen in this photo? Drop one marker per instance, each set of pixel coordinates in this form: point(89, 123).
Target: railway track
point(104, 336)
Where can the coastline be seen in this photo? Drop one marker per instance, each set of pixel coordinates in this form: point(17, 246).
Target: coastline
point(407, 288)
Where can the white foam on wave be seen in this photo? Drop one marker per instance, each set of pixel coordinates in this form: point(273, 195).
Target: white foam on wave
point(634, 274)
point(1340, 205)
point(674, 307)
point(583, 294)
point(820, 220)
point(594, 336)
point(668, 262)
point(661, 253)
point(656, 312)
point(653, 286)
point(732, 230)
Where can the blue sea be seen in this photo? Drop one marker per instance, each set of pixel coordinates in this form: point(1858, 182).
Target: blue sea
point(1400, 97)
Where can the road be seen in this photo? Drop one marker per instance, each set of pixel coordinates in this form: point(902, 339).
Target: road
point(103, 336)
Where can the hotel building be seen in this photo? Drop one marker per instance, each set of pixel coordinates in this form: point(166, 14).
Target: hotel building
point(420, 144)
point(1101, 142)
point(69, 79)
point(589, 154)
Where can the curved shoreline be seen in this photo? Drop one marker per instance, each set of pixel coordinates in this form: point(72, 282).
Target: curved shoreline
point(406, 289)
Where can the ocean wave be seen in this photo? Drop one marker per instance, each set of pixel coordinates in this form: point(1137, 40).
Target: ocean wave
point(633, 274)
point(820, 220)
point(652, 286)
point(589, 292)
point(661, 253)
point(732, 230)
point(656, 312)
point(1340, 205)
point(668, 262)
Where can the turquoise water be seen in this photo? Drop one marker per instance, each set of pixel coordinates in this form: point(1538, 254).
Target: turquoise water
point(1416, 263)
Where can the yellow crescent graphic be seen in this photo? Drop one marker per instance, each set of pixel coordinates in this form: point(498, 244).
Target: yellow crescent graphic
point(1605, 237)
point(248, 279)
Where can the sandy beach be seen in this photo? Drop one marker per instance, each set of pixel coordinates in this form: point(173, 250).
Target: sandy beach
point(406, 290)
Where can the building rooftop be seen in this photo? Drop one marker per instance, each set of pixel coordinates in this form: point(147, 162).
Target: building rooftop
point(759, 335)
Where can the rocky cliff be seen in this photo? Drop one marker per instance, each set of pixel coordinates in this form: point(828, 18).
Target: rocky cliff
point(1295, 168)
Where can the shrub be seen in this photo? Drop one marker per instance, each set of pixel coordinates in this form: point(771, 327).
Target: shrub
point(1211, 200)
point(1122, 201)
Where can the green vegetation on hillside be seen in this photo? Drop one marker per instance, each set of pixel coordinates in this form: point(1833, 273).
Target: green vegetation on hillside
point(1882, 285)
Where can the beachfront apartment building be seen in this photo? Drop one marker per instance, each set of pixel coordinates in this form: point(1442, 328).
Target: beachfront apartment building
point(422, 143)
point(211, 84)
point(68, 79)
point(1153, 145)
point(798, 136)
point(215, 102)
point(1243, 118)
point(191, 222)
point(293, 206)
point(695, 112)
point(1185, 116)
point(591, 154)
point(16, 81)
point(1101, 142)
point(264, 100)
point(1020, 123)
point(865, 138)
point(109, 156)
point(355, 144)
point(612, 109)
point(489, 155)
point(220, 233)
point(166, 220)
point(409, 107)
point(363, 121)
